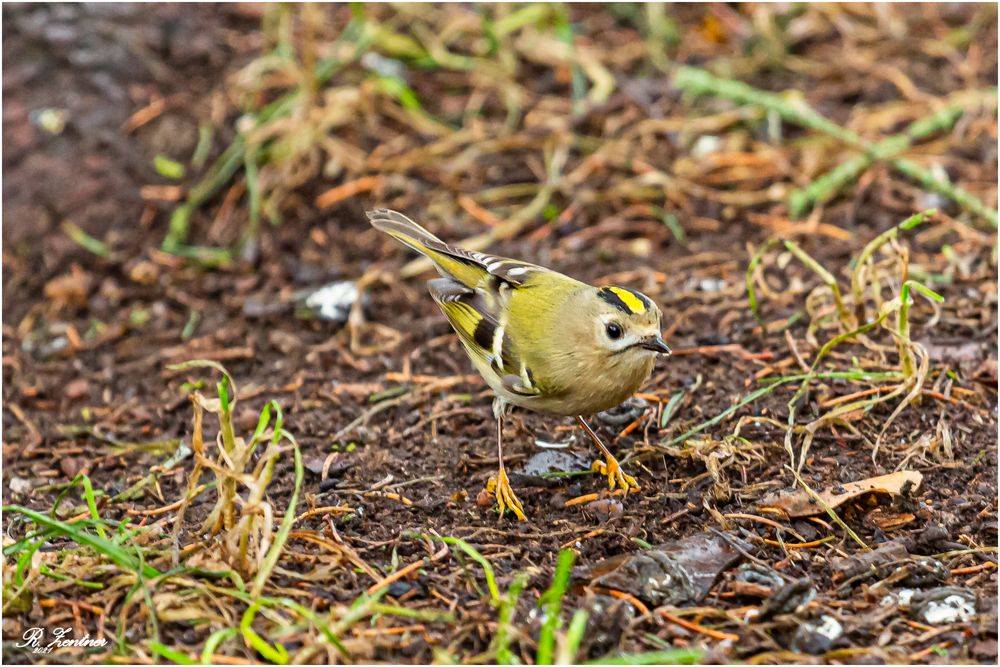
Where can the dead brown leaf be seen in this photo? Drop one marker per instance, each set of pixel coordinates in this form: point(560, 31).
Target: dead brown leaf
point(800, 503)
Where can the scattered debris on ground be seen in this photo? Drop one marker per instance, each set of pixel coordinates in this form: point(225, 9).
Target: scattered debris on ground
point(808, 191)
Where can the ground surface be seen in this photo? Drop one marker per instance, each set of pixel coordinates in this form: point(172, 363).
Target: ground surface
point(87, 339)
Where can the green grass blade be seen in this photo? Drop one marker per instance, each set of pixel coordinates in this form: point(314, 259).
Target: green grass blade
point(271, 559)
point(701, 82)
point(24, 560)
point(206, 363)
point(824, 275)
point(170, 654)
point(168, 167)
point(85, 240)
point(676, 656)
point(830, 184)
point(746, 400)
point(262, 421)
point(114, 552)
point(962, 197)
point(213, 642)
point(250, 161)
point(857, 289)
point(276, 654)
point(470, 551)
point(88, 494)
point(574, 638)
point(508, 605)
point(810, 262)
point(551, 604)
point(204, 146)
point(770, 384)
point(417, 614)
point(671, 408)
point(923, 290)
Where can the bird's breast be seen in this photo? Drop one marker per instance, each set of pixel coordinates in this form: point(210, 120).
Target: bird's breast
point(594, 387)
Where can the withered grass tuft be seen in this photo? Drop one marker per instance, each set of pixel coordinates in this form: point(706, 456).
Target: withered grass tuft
point(217, 571)
point(847, 317)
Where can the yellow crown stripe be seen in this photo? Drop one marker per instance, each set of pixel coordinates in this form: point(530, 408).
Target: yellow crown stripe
point(634, 303)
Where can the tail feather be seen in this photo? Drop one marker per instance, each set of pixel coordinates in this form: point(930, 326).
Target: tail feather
point(451, 262)
point(400, 227)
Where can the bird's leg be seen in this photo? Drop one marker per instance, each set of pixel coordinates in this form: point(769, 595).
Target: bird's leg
point(499, 486)
point(610, 466)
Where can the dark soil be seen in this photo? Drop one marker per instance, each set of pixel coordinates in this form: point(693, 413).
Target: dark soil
point(87, 341)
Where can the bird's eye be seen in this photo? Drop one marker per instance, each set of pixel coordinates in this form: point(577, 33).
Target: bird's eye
point(614, 331)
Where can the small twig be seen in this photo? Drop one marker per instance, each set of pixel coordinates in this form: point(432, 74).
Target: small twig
point(695, 627)
point(348, 190)
point(975, 568)
point(412, 567)
point(622, 595)
point(768, 522)
point(829, 510)
point(171, 507)
point(798, 545)
point(590, 497)
point(341, 509)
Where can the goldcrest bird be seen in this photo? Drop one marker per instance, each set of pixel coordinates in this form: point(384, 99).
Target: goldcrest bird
point(542, 340)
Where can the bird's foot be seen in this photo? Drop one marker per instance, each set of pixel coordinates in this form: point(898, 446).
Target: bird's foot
point(499, 487)
point(616, 476)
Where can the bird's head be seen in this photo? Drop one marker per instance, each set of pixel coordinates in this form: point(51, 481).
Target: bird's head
point(626, 322)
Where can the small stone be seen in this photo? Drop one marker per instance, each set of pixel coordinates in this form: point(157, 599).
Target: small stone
point(817, 637)
point(550, 461)
point(982, 649)
point(677, 572)
point(759, 575)
point(333, 301)
point(69, 289)
point(13, 628)
point(942, 606)
point(285, 342)
point(77, 389)
point(641, 247)
point(606, 508)
point(20, 486)
point(257, 307)
point(626, 413)
point(705, 145)
point(246, 419)
point(329, 484)
point(484, 499)
point(890, 552)
point(400, 588)
point(71, 466)
point(788, 599)
point(52, 121)
point(315, 465)
point(144, 272)
point(712, 285)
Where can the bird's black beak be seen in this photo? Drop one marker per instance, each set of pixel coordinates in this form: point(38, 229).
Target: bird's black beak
point(656, 344)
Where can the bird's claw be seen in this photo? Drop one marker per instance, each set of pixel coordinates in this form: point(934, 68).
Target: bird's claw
point(499, 487)
point(617, 478)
